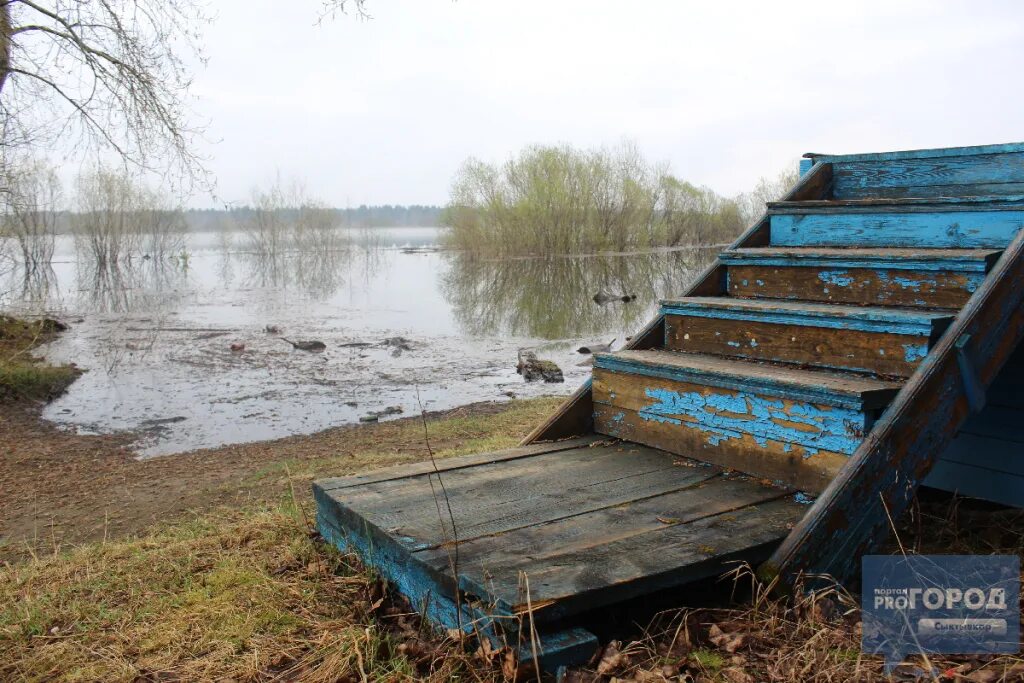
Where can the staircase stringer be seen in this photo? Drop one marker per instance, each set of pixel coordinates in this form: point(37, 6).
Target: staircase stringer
point(575, 417)
point(856, 512)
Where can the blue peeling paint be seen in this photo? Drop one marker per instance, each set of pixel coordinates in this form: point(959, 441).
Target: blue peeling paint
point(733, 344)
point(803, 498)
point(913, 353)
point(839, 278)
point(725, 416)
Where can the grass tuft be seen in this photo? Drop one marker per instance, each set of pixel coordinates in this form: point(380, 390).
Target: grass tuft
point(22, 375)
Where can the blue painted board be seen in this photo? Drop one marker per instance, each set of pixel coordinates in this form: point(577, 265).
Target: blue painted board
point(859, 318)
point(930, 153)
point(888, 259)
point(811, 386)
point(962, 229)
point(935, 176)
point(428, 594)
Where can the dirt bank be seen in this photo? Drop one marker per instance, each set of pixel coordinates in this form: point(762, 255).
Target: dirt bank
point(62, 488)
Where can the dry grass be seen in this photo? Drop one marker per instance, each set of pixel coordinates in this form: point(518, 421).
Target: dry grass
point(244, 596)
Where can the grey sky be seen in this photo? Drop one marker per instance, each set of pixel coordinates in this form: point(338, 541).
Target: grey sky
point(384, 111)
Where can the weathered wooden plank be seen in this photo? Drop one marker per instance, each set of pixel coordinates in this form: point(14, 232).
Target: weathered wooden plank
point(809, 469)
point(832, 388)
point(930, 153)
point(430, 592)
point(977, 482)
point(721, 415)
point(871, 205)
point(853, 515)
point(430, 597)
point(518, 494)
point(860, 318)
point(844, 285)
point(601, 557)
point(939, 191)
point(459, 462)
point(960, 229)
point(876, 340)
point(960, 260)
point(861, 178)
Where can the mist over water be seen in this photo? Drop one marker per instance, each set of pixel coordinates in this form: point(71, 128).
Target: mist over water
point(156, 335)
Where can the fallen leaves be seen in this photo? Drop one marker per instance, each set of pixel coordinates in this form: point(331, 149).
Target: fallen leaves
point(730, 642)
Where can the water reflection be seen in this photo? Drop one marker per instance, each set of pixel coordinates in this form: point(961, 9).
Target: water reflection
point(38, 286)
point(319, 274)
point(129, 286)
point(552, 298)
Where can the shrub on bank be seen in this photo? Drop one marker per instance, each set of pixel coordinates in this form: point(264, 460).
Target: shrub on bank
point(562, 200)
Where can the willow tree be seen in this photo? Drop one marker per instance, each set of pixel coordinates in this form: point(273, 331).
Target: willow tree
point(105, 76)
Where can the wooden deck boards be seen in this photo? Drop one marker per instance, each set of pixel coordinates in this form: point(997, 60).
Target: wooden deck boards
point(587, 525)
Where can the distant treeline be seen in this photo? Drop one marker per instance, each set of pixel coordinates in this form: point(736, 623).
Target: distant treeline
point(558, 200)
point(384, 216)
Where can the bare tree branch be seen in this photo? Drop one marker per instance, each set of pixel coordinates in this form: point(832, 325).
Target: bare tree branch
point(103, 77)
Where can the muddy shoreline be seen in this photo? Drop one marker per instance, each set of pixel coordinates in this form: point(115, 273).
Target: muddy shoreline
point(61, 488)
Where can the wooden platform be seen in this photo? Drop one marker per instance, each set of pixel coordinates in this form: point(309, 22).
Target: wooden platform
point(581, 523)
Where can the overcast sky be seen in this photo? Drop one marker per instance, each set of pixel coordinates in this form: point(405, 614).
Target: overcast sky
point(384, 111)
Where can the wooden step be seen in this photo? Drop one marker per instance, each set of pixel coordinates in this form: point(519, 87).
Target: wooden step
point(952, 223)
point(934, 278)
point(883, 341)
point(786, 424)
point(588, 525)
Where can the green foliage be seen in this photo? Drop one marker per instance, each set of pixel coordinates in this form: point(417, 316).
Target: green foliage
point(561, 200)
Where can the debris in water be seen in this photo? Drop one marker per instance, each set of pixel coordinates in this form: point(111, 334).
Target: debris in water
point(311, 345)
point(596, 348)
point(532, 368)
point(272, 329)
point(237, 347)
point(602, 297)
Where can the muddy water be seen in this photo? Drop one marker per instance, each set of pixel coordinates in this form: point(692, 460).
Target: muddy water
point(156, 336)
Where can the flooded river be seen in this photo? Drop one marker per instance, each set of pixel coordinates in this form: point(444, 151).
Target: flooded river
point(162, 340)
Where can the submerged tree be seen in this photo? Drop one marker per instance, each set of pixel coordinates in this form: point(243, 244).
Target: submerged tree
point(119, 218)
point(31, 211)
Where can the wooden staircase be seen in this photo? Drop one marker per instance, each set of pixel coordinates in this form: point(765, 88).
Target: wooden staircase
point(831, 356)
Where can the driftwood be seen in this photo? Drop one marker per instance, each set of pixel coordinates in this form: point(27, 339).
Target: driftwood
point(312, 345)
